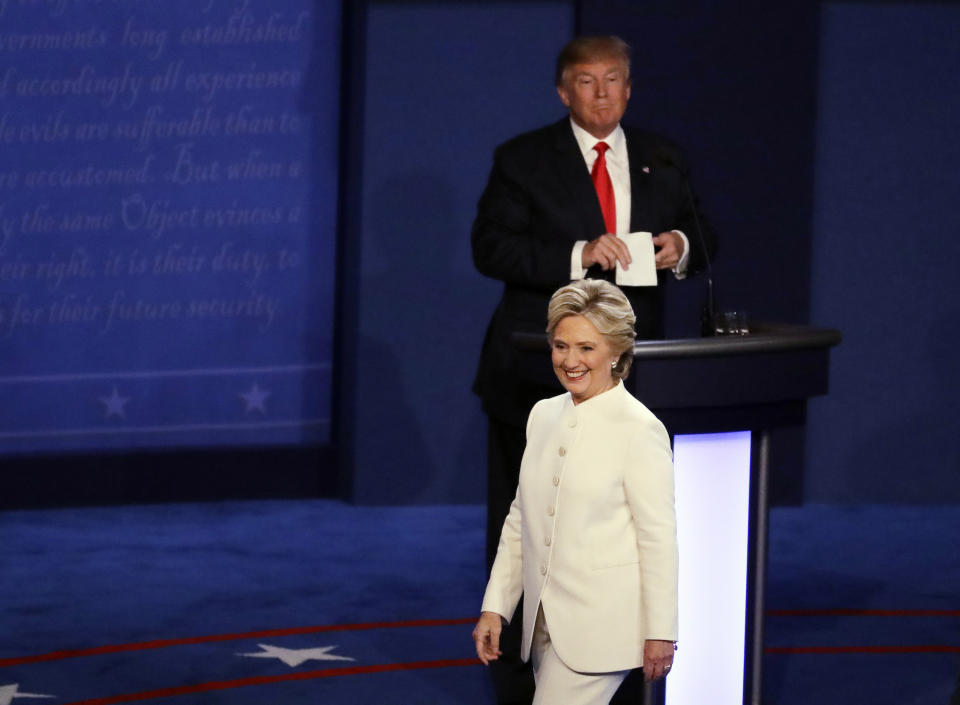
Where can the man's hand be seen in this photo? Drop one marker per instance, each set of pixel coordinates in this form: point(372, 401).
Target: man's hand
point(606, 251)
point(671, 249)
point(486, 637)
point(657, 658)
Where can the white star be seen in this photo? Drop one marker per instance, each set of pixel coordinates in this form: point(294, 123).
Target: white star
point(255, 399)
point(294, 657)
point(114, 404)
point(9, 692)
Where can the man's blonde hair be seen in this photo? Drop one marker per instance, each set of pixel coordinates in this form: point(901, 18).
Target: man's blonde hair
point(585, 50)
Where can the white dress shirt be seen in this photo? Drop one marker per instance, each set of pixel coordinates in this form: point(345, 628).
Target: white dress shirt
point(618, 166)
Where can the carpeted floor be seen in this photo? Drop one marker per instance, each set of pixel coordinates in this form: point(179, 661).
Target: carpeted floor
point(294, 602)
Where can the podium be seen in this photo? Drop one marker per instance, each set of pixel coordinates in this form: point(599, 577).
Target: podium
point(720, 398)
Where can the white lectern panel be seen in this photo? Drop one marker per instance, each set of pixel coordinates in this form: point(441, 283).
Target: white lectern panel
point(713, 507)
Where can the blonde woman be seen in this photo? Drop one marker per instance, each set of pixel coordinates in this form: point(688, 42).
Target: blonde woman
point(590, 539)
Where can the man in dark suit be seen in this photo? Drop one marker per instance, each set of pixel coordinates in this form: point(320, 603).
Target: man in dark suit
point(557, 201)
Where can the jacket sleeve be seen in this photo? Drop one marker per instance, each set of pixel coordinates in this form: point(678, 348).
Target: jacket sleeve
point(506, 576)
point(648, 483)
point(508, 240)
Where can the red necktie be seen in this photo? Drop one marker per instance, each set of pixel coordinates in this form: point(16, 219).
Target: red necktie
point(604, 187)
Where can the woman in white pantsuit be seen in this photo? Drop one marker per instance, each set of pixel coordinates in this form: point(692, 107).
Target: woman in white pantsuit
point(591, 535)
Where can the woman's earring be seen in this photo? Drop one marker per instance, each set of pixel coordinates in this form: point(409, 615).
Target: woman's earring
point(614, 364)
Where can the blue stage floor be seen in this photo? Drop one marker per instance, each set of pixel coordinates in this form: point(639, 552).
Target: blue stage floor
point(293, 602)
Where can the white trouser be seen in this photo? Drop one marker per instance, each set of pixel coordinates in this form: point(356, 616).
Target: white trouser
point(559, 685)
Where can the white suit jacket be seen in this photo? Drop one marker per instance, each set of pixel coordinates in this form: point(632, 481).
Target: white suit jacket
point(591, 535)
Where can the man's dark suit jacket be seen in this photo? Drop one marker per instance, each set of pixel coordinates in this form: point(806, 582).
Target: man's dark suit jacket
point(538, 202)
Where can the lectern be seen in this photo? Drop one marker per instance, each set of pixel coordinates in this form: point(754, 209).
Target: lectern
point(719, 399)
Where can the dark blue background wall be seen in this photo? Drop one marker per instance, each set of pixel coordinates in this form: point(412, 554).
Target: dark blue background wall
point(885, 250)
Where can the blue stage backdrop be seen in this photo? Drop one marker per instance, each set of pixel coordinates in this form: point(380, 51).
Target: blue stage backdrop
point(168, 193)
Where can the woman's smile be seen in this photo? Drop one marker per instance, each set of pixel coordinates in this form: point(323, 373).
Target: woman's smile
point(582, 358)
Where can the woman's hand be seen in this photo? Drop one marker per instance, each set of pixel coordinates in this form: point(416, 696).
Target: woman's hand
point(486, 636)
point(657, 658)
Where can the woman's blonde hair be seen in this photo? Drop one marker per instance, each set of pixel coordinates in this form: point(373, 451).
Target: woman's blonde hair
point(606, 307)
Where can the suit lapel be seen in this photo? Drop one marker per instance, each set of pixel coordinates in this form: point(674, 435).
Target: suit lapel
point(575, 178)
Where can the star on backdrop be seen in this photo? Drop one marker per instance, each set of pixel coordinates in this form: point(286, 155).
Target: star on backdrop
point(9, 692)
point(115, 404)
point(294, 657)
point(255, 399)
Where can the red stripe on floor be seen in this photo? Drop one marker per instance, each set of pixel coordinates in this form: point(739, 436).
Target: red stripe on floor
point(164, 643)
point(863, 613)
point(264, 680)
point(937, 649)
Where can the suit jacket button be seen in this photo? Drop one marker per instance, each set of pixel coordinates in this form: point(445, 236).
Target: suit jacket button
point(549, 511)
point(543, 570)
point(563, 451)
point(547, 541)
point(556, 481)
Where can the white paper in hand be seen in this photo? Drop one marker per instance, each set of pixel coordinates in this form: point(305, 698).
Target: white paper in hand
point(643, 267)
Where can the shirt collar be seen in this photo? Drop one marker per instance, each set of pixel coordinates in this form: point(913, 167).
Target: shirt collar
point(616, 140)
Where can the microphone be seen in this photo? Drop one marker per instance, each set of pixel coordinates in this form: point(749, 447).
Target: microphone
point(707, 328)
